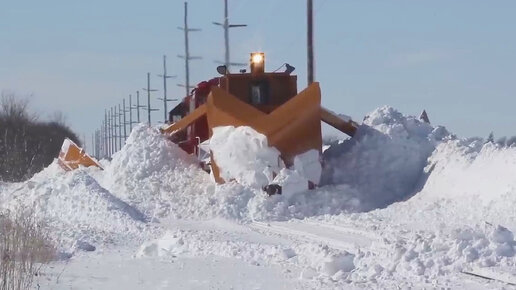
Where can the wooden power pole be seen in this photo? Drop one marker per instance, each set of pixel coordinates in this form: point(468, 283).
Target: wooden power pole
point(149, 90)
point(310, 45)
point(187, 56)
point(165, 100)
point(226, 26)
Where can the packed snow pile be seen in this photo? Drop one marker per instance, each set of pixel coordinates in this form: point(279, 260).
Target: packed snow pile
point(384, 161)
point(382, 164)
point(463, 169)
point(155, 175)
point(462, 219)
point(421, 255)
point(75, 207)
point(244, 155)
point(469, 182)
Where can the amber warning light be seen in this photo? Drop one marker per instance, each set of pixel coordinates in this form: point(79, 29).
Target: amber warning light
point(257, 62)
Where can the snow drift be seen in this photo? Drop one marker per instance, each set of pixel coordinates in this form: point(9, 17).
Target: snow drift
point(155, 175)
point(75, 207)
point(384, 161)
point(438, 204)
point(462, 219)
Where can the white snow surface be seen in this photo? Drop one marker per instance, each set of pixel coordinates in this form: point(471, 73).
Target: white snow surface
point(244, 155)
point(402, 204)
point(75, 207)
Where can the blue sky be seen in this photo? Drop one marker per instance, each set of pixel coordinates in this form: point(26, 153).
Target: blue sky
point(456, 59)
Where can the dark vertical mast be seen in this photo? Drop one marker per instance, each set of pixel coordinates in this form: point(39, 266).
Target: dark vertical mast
point(310, 46)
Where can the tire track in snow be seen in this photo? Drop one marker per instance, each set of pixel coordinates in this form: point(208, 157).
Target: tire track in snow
point(347, 239)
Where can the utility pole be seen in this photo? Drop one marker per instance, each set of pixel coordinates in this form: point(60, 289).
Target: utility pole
point(149, 90)
point(187, 56)
point(106, 145)
point(92, 144)
point(99, 142)
point(97, 147)
point(112, 133)
point(117, 125)
point(131, 108)
point(310, 45)
point(108, 133)
point(138, 106)
point(226, 26)
point(165, 100)
point(101, 139)
point(120, 128)
point(125, 122)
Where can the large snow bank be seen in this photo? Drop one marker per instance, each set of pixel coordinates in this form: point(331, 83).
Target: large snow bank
point(382, 164)
point(463, 169)
point(423, 255)
point(384, 161)
point(468, 183)
point(75, 207)
point(463, 218)
point(155, 175)
point(244, 155)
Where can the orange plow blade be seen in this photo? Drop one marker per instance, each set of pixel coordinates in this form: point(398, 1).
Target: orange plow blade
point(72, 156)
point(293, 128)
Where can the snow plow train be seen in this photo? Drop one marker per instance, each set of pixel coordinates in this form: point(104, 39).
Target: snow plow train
point(268, 102)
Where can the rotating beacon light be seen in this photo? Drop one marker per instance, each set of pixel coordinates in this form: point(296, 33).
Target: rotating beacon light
point(257, 62)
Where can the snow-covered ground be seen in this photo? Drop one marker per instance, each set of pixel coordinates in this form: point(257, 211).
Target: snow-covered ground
point(404, 204)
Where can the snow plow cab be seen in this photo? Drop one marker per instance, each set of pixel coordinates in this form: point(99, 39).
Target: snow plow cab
point(268, 102)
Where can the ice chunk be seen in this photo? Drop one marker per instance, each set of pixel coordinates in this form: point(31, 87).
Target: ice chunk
point(244, 155)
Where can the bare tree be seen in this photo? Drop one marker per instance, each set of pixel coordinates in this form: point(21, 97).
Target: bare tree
point(24, 248)
point(26, 145)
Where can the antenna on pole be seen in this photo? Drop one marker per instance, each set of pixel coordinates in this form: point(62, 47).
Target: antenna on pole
point(226, 26)
point(149, 90)
point(187, 56)
point(164, 99)
point(310, 38)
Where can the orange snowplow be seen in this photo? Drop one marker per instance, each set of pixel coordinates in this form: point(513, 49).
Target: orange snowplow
point(267, 102)
point(72, 156)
